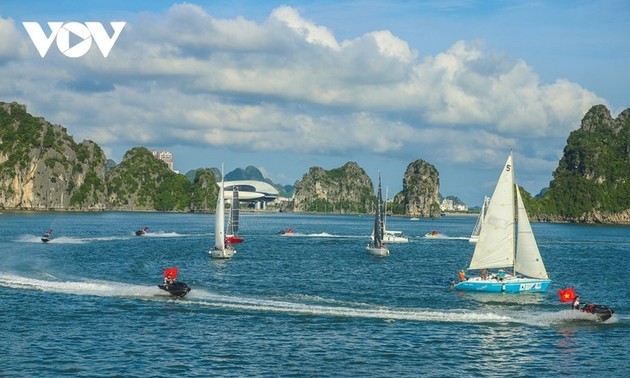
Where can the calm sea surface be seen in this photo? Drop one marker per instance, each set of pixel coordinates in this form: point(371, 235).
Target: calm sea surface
point(313, 304)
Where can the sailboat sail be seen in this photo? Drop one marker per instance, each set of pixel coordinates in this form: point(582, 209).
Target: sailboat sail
point(378, 217)
point(528, 260)
point(234, 213)
point(474, 236)
point(495, 248)
point(219, 224)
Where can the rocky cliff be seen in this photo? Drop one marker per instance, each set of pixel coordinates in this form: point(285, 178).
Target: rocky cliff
point(421, 190)
point(41, 167)
point(592, 181)
point(347, 189)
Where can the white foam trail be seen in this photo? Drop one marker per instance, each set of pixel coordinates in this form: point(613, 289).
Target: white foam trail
point(201, 297)
point(162, 234)
point(54, 240)
point(319, 235)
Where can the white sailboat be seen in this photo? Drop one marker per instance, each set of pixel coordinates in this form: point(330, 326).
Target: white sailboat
point(221, 249)
point(376, 246)
point(232, 228)
point(390, 236)
point(474, 237)
point(506, 243)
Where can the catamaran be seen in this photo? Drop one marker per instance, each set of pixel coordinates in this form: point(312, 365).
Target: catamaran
point(376, 246)
point(502, 245)
point(474, 237)
point(222, 249)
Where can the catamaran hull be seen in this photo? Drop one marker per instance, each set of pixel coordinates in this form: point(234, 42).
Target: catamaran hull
point(518, 285)
point(177, 289)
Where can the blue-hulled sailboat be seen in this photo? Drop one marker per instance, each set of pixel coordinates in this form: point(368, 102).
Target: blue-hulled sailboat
point(506, 245)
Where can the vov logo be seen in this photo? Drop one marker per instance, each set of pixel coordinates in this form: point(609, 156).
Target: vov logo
point(61, 32)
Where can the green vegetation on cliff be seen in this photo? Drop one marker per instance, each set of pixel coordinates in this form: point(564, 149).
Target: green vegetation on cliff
point(594, 172)
point(347, 189)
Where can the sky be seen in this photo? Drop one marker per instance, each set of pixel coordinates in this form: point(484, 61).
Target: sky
point(288, 85)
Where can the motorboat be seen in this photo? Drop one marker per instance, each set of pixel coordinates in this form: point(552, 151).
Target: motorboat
point(600, 312)
point(175, 288)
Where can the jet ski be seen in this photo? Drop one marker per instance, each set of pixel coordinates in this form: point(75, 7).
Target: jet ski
point(601, 312)
point(177, 289)
point(142, 231)
point(285, 232)
point(46, 237)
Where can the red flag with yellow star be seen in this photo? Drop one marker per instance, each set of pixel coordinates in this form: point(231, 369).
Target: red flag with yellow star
point(566, 295)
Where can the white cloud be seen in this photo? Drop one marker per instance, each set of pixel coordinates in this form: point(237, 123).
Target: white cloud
point(287, 84)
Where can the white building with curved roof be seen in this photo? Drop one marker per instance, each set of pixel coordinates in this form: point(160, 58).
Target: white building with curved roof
point(251, 191)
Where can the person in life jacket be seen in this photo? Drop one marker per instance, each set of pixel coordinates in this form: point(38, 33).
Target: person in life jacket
point(462, 276)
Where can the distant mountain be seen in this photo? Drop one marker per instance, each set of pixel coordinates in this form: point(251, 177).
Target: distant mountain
point(249, 173)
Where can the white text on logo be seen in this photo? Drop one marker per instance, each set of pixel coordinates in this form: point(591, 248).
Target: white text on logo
point(87, 32)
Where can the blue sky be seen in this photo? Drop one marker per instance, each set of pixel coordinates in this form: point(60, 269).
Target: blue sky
point(285, 86)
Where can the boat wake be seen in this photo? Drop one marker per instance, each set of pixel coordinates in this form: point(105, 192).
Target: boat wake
point(319, 235)
point(444, 237)
point(329, 308)
point(316, 306)
point(162, 234)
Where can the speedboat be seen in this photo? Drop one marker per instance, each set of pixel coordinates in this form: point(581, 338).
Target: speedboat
point(176, 289)
point(142, 231)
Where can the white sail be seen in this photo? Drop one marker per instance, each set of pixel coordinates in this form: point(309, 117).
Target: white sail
point(474, 236)
point(528, 260)
point(219, 221)
point(495, 248)
point(232, 228)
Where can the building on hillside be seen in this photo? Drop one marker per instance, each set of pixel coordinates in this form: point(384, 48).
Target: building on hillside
point(166, 157)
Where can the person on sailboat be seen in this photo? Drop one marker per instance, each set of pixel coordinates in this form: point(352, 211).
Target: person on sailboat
point(576, 303)
point(462, 276)
point(484, 273)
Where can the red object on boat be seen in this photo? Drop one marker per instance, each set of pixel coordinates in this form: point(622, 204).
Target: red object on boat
point(234, 239)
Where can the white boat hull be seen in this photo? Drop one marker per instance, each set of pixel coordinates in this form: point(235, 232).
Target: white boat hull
point(222, 254)
point(377, 251)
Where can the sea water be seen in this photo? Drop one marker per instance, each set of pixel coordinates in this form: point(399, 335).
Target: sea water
point(310, 304)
